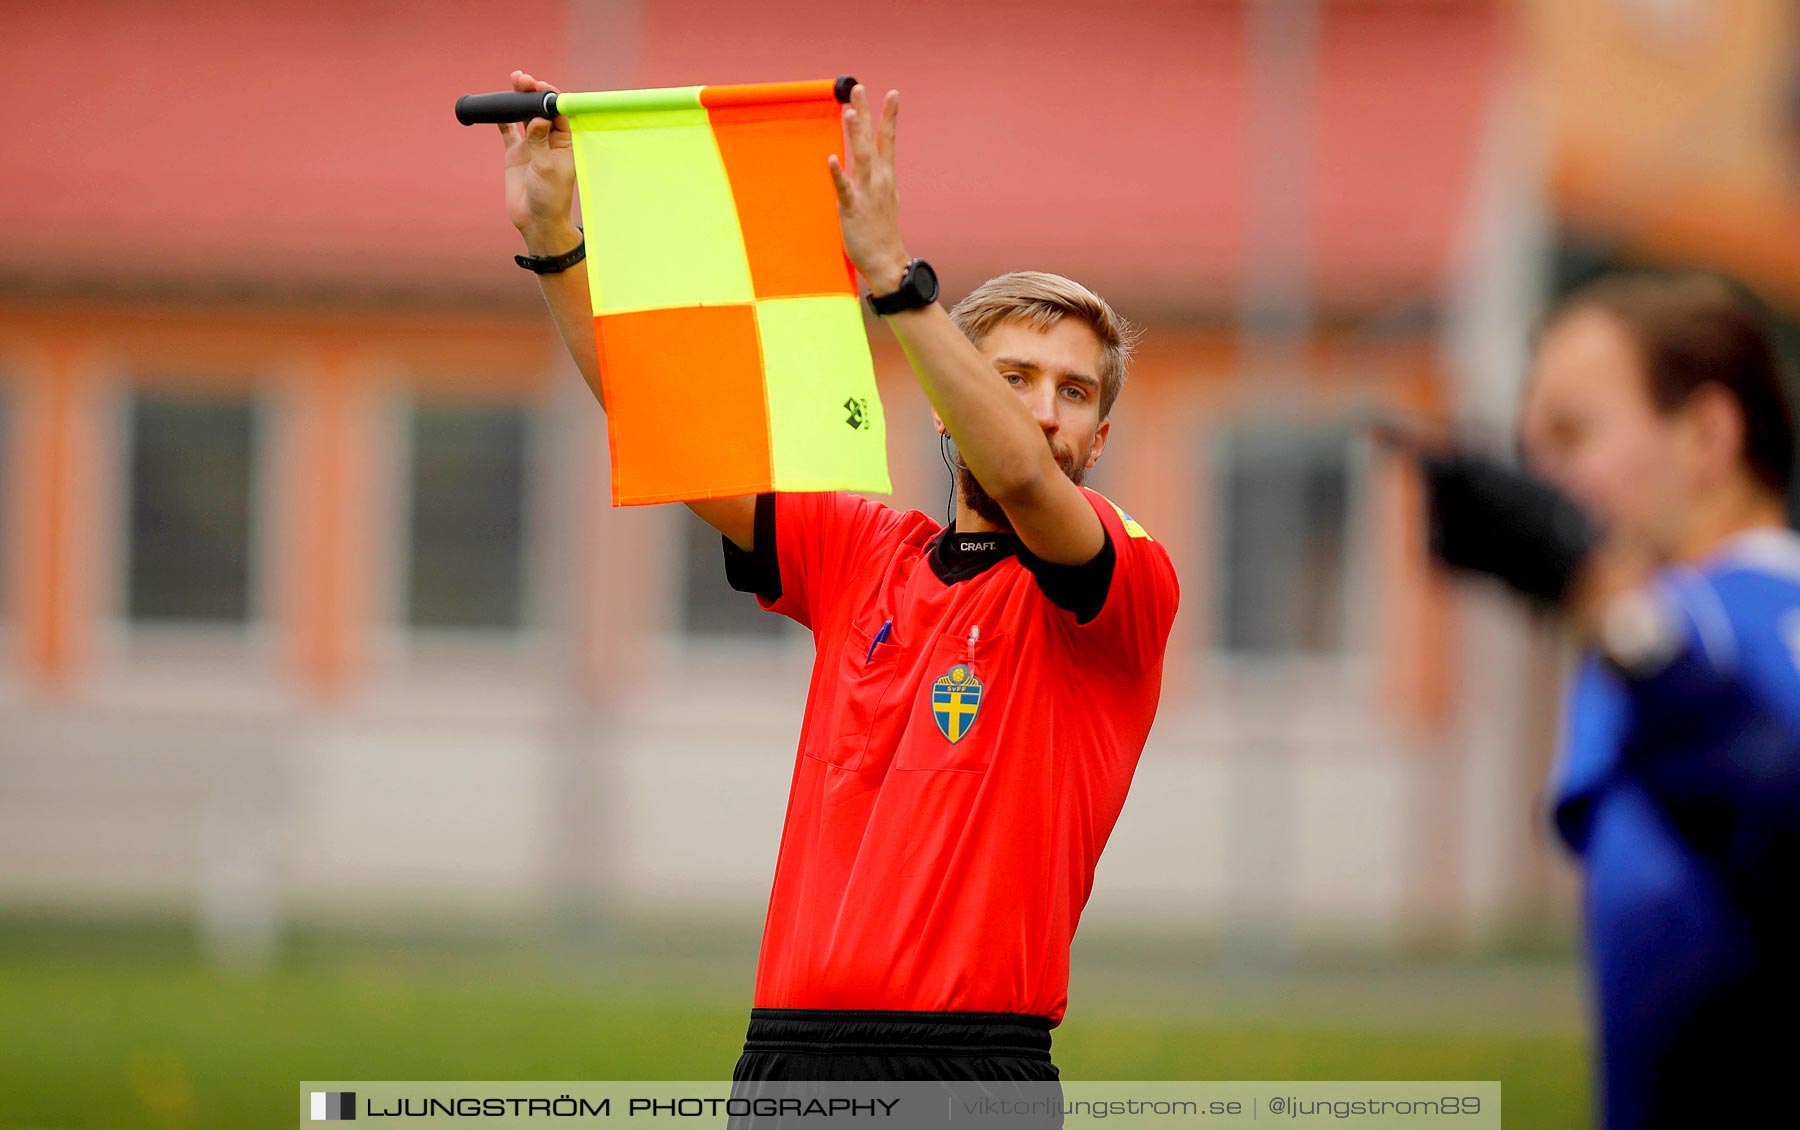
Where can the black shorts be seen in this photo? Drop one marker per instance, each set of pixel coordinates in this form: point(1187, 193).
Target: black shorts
point(878, 1045)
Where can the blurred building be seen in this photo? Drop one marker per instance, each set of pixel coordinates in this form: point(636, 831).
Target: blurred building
point(314, 607)
point(1672, 132)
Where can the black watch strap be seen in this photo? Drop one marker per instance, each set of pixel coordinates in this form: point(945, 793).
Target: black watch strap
point(918, 287)
point(551, 264)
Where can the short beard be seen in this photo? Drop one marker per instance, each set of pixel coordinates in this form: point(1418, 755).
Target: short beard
point(983, 504)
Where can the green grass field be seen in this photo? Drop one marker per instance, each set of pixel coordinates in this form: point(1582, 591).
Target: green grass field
point(122, 1028)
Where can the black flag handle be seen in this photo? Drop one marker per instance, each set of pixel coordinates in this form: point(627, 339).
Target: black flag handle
point(505, 106)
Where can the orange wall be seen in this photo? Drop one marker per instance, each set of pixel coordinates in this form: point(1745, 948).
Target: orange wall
point(329, 373)
point(1676, 140)
point(326, 370)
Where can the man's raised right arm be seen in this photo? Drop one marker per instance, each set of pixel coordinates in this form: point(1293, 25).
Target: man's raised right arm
point(540, 198)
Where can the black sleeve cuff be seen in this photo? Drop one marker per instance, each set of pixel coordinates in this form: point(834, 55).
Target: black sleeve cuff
point(1080, 589)
point(758, 571)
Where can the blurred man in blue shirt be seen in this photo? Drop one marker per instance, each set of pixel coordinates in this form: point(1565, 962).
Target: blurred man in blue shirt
point(1661, 444)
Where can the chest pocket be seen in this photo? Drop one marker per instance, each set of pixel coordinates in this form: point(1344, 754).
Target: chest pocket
point(868, 708)
point(953, 717)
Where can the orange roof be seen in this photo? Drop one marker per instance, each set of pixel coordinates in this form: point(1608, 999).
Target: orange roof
point(1108, 141)
point(312, 145)
point(294, 144)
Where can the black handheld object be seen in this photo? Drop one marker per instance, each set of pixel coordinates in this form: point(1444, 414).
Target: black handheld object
point(505, 106)
point(1491, 518)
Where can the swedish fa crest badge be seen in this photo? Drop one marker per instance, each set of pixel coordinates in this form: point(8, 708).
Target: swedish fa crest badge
point(955, 702)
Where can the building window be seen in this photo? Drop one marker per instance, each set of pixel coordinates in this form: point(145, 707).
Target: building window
point(192, 477)
point(467, 485)
point(710, 607)
point(1284, 506)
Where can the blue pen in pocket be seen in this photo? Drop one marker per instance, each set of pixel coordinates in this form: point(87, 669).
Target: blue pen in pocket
point(886, 627)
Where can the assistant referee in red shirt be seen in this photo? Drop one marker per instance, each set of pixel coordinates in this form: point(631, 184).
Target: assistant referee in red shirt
point(981, 693)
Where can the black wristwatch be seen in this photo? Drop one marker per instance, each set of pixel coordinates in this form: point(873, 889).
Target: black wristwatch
point(551, 264)
point(918, 287)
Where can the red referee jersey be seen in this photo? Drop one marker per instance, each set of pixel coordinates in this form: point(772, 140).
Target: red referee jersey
point(970, 734)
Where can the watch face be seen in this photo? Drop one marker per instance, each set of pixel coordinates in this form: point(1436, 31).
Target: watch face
point(925, 281)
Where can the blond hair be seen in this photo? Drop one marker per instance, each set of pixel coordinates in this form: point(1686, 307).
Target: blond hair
point(1040, 300)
